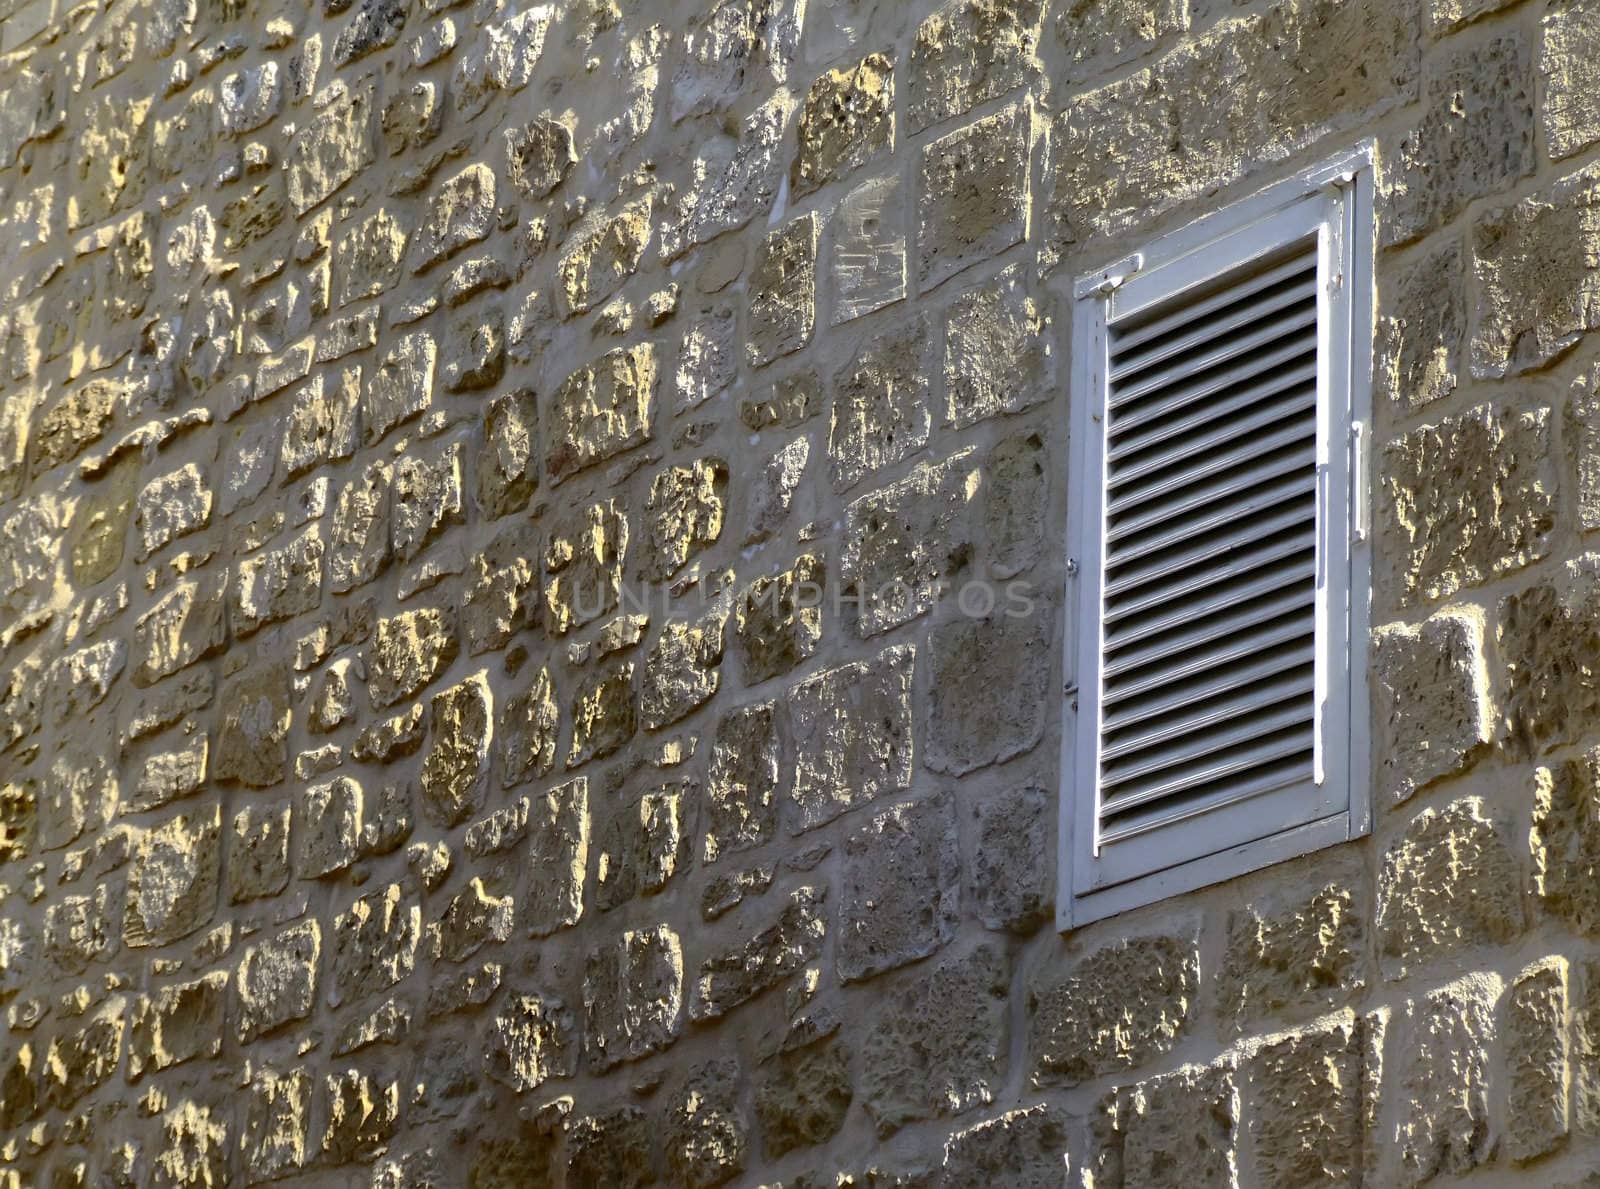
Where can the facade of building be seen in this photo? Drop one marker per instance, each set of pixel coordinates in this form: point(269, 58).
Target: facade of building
point(539, 588)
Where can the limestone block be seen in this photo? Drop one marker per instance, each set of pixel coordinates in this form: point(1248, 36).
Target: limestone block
point(1011, 880)
point(601, 253)
point(773, 495)
point(1570, 67)
point(408, 651)
point(780, 619)
point(1564, 838)
point(503, 58)
point(735, 178)
point(258, 852)
point(332, 148)
point(1432, 699)
point(558, 856)
point(178, 1023)
point(528, 731)
point(851, 734)
point(1468, 499)
point(967, 52)
point(1306, 1090)
point(186, 625)
point(278, 584)
point(472, 919)
point(644, 845)
point(1474, 139)
point(965, 733)
point(802, 1097)
point(904, 542)
point(368, 256)
point(74, 423)
point(708, 359)
point(359, 536)
point(79, 795)
point(973, 194)
point(173, 877)
point(80, 930)
point(614, 1147)
point(583, 565)
point(937, 1045)
point(605, 714)
point(601, 410)
point(172, 506)
point(81, 1058)
point(399, 388)
point(374, 944)
point(707, 1128)
point(681, 671)
point(539, 155)
point(375, 25)
point(1422, 330)
point(1021, 1149)
point(427, 498)
point(506, 471)
point(277, 981)
point(998, 354)
point(363, 1113)
point(1099, 35)
point(1550, 695)
point(632, 996)
point(456, 764)
point(901, 889)
point(500, 598)
point(247, 467)
point(273, 1137)
point(532, 1039)
point(742, 782)
point(1534, 1031)
point(847, 121)
point(867, 248)
point(735, 46)
point(1113, 1009)
point(111, 153)
point(330, 826)
point(411, 118)
point(1448, 883)
point(461, 212)
point(881, 410)
point(683, 515)
point(1443, 1082)
point(788, 402)
point(783, 287)
point(247, 99)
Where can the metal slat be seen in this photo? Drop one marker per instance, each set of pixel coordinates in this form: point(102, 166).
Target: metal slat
point(1205, 387)
point(1209, 661)
point(1130, 823)
point(1187, 693)
point(1249, 614)
point(1153, 326)
point(1298, 684)
point(1217, 461)
point(1164, 614)
point(1265, 540)
point(1225, 744)
point(1290, 323)
point(1128, 467)
point(1263, 309)
point(1246, 491)
point(1124, 444)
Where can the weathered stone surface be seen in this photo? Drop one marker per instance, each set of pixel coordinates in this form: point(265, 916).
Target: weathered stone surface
point(456, 766)
point(558, 856)
point(368, 257)
point(473, 918)
point(1178, 1129)
point(1021, 1149)
point(881, 408)
point(506, 471)
point(252, 744)
point(1443, 1082)
point(632, 996)
point(180, 1022)
point(363, 1113)
point(1571, 75)
point(938, 1046)
point(539, 155)
point(583, 565)
point(460, 213)
point(780, 619)
point(644, 845)
point(965, 733)
point(277, 981)
point(765, 959)
point(321, 426)
point(1432, 695)
point(400, 388)
point(867, 249)
point(1450, 882)
point(1468, 499)
point(802, 1097)
point(374, 944)
point(185, 626)
point(278, 584)
point(681, 670)
point(1311, 68)
point(602, 252)
point(81, 1058)
point(1545, 631)
point(615, 1147)
point(601, 410)
point(968, 52)
point(707, 1128)
point(734, 178)
point(408, 651)
point(905, 541)
point(1098, 35)
point(1534, 1031)
point(528, 732)
point(848, 120)
point(902, 888)
point(684, 514)
point(502, 59)
point(1307, 1093)
point(426, 498)
point(173, 878)
point(997, 352)
point(330, 826)
point(359, 538)
point(258, 853)
point(1012, 863)
point(1113, 1009)
point(1422, 330)
point(783, 305)
point(1476, 138)
point(605, 713)
point(1536, 296)
point(171, 506)
point(532, 1039)
point(273, 1136)
point(742, 782)
point(851, 731)
point(331, 149)
point(73, 423)
point(973, 197)
point(773, 499)
point(1564, 841)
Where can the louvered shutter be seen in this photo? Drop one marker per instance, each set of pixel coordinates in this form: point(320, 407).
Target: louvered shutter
point(1215, 536)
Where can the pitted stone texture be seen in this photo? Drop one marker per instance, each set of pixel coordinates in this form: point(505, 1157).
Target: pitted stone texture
point(1474, 139)
point(1312, 68)
point(528, 732)
point(734, 178)
point(968, 52)
point(1422, 330)
point(601, 410)
point(867, 248)
point(583, 565)
point(802, 1097)
point(643, 846)
point(707, 1128)
point(400, 388)
point(780, 619)
point(408, 651)
point(1449, 883)
point(506, 471)
point(81, 1058)
point(966, 733)
point(253, 742)
point(187, 625)
point(742, 782)
point(332, 148)
point(539, 155)
point(455, 767)
point(615, 1147)
point(273, 1137)
point(1538, 294)
point(881, 408)
point(783, 283)
point(1443, 1083)
point(681, 671)
point(330, 827)
point(363, 1113)
point(1114, 1009)
point(1100, 34)
point(997, 353)
point(938, 1045)
point(902, 888)
point(532, 1039)
point(1293, 953)
point(503, 58)
point(848, 120)
point(258, 853)
point(278, 584)
point(1565, 839)
point(1581, 427)
point(1021, 1149)
point(1306, 1094)
point(684, 514)
point(1469, 498)
point(605, 713)
point(1193, 1112)
point(765, 959)
point(632, 997)
point(172, 506)
point(772, 498)
point(277, 981)
point(1534, 1031)
point(973, 197)
point(601, 253)
point(368, 257)
point(1546, 635)
point(374, 944)
point(1012, 867)
point(178, 1023)
point(1569, 61)
point(359, 538)
point(558, 855)
point(460, 213)
point(1432, 695)
point(321, 425)
point(904, 541)
point(851, 731)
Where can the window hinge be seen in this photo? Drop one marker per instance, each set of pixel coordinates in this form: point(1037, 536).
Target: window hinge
point(1358, 482)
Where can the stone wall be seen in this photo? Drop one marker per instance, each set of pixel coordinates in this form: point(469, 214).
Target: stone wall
point(424, 761)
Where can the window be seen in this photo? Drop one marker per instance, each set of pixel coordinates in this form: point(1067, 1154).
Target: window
point(1216, 701)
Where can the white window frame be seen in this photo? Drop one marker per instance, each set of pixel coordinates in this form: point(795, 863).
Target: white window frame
point(1335, 199)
